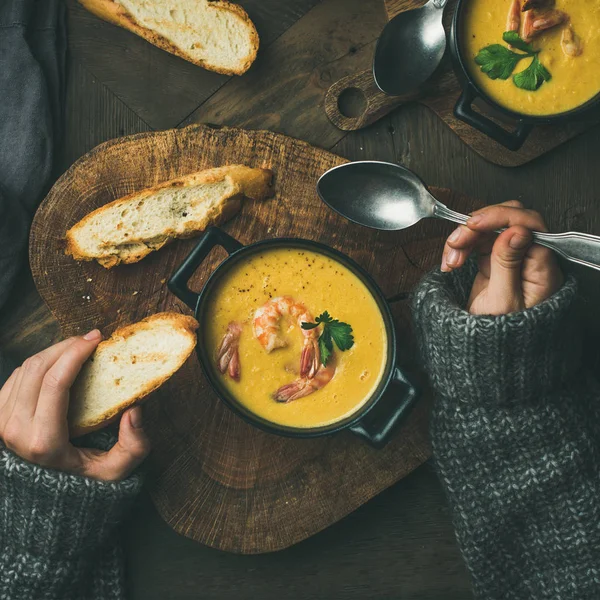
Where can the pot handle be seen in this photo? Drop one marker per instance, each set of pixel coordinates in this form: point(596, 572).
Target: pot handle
point(380, 423)
point(463, 110)
point(178, 284)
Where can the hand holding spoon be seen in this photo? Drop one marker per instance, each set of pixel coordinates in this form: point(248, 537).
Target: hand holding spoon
point(391, 197)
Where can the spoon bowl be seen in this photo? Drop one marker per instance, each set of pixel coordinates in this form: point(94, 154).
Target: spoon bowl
point(410, 48)
point(376, 194)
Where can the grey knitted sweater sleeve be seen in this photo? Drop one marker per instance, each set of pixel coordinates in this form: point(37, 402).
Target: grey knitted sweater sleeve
point(516, 437)
point(57, 532)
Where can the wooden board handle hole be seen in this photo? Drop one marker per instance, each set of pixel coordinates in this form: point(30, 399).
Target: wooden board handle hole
point(352, 102)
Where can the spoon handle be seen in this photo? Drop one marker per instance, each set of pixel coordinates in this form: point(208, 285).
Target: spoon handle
point(441, 211)
point(580, 248)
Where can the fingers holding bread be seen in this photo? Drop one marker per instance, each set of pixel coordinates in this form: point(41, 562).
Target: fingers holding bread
point(54, 392)
point(134, 361)
point(81, 384)
point(20, 396)
point(125, 456)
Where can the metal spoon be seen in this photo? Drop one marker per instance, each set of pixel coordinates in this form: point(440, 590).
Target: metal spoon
point(409, 49)
point(387, 196)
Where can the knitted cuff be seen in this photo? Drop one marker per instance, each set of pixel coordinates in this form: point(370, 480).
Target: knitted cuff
point(56, 517)
point(502, 359)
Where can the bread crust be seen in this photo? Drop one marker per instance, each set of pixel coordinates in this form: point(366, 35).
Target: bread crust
point(187, 323)
point(115, 13)
point(251, 183)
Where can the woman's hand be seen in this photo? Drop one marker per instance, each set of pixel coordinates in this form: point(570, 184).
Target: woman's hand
point(514, 274)
point(33, 416)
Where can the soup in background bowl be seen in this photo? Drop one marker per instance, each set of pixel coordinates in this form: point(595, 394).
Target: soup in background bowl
point(574, 79)
point(269, 382)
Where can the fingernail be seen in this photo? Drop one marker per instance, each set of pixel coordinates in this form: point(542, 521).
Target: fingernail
point(455, 235)
point(135, 416)
point(444, 267)
point(453, 257)
point(474, 220)
point(518, 242)
point(92, 335)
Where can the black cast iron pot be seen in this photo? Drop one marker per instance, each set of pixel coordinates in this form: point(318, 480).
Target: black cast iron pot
point(522, 124)
point(376, 420)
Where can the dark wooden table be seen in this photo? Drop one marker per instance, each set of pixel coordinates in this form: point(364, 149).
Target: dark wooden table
point(401, 544)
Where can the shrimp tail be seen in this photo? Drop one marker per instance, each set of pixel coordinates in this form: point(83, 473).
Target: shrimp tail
point(513, 21)
point(536, 21)
point(234, 369)
point(292, 391)
point(549, 19)
point(309, 361)
point(305, 386)
point(228, 357)
point(527, 31)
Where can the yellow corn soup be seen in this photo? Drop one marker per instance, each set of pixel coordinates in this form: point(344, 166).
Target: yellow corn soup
point(319, 283)
point(575, 80)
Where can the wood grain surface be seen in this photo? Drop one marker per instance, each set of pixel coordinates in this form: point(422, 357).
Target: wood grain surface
point(177, 86)
point(217, 479)
point(440, 95)
point(287, 95)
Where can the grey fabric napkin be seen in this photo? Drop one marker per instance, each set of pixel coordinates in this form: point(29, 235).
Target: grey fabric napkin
point(32, 66)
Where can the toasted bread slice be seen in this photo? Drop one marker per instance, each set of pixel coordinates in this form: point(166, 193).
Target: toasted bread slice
point(128, 229)
point(126, 367)
point(216, 35)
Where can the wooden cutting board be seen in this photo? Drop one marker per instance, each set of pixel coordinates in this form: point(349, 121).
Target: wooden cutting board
point(215, 478)
point(440, 97)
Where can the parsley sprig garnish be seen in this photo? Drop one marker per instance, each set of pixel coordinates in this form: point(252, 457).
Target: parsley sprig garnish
point(498, 62)
point(333, 331)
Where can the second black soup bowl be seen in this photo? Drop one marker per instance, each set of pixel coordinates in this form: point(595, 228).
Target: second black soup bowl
point(522, 124)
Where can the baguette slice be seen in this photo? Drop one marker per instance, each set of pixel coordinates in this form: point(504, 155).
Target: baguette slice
point(134, 361)
point(128, 229)
point(216, 35)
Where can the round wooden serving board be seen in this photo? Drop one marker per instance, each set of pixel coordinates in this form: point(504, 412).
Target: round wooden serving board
point(214, 478)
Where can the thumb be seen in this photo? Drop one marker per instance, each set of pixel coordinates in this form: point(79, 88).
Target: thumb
point(506, 264)
point(131, 449)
